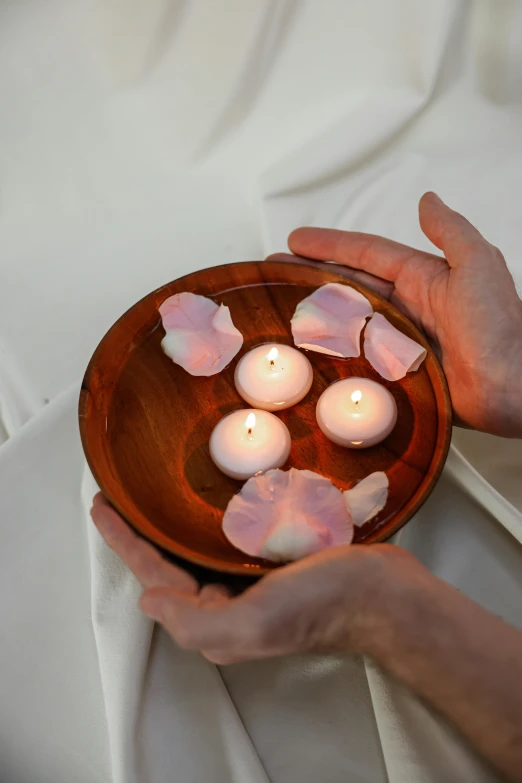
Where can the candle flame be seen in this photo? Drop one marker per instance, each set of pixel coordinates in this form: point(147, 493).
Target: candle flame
point(250, 422)
point(356, 396)
point(273, 353)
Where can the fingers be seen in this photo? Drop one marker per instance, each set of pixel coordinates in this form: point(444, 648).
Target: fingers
point(146, 563)
point(218, 624)
point(373, 254)
point(220, 658)
point(308, 606)
point(460, 242)
point(214, 594)
point(100, 500)
point(164, 582)
point(382, 287)
point(210, 595)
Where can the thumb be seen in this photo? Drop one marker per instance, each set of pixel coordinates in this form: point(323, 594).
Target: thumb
point(460, 242)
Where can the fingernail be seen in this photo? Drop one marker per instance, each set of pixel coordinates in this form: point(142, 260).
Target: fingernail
point(434, 197)
point(104, 522)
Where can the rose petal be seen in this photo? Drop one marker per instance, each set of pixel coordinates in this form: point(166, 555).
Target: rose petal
point(200, 335)
point(367, 498)
point(285, 515)
point(331, 320)
point(389, 351)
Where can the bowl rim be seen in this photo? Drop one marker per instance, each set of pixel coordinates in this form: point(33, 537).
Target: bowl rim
point(168, 545)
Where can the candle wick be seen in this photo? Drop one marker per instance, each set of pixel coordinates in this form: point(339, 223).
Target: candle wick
point(250, 431)
point(272, 364)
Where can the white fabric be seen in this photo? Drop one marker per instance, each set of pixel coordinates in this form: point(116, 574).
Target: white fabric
point(142, 139)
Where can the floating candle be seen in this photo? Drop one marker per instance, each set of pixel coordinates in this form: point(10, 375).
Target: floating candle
point(356, 412)
point(247, 442)
point(273, 376)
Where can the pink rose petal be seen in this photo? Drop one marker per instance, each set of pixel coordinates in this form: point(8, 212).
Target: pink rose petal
point(285, 515)
point(389, 351)
point(200, 335)
point(331, 320)
point(367, 498)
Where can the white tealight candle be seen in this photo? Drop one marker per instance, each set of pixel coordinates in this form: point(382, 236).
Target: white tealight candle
point(247, 442)
point(273, 377)
point(356, 412)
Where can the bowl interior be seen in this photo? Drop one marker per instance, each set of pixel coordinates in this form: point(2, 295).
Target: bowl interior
point(145, 422)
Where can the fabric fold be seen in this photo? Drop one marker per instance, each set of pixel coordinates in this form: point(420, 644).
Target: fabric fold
point(123, 635)
point(133, 669)
point(478, 488)
point(170, 136)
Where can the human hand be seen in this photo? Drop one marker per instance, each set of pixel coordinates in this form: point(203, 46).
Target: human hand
point(376, 600)
point(466, 303)
point(330, 602)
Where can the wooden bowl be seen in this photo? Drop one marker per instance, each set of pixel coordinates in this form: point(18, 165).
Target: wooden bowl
point(145, 423)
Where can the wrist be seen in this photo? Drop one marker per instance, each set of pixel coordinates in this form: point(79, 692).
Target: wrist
point(396, 588)
point(498, 398)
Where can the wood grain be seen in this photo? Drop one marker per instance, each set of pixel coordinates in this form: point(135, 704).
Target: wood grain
point(145, 423)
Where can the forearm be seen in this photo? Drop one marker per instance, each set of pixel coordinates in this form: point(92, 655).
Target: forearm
point(464, 661)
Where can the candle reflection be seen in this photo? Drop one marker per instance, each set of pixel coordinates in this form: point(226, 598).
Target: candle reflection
point(356, 412)
point(248, 441)
point(273, 377)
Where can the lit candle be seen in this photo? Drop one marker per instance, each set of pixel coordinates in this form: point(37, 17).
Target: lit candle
point(356, 412)
point(273, 377)
point(247, 442)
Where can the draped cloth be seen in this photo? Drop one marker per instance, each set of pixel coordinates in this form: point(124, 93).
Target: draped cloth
point(139, 141)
